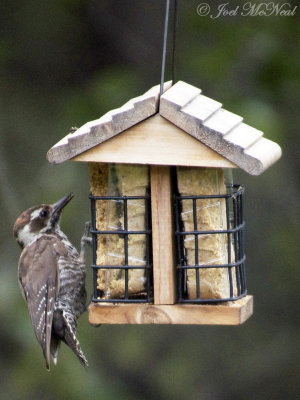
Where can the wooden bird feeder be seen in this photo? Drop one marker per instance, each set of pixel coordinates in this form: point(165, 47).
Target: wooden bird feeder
point(167, 227)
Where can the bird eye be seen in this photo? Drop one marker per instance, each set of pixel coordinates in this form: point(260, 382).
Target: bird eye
point(44, 213)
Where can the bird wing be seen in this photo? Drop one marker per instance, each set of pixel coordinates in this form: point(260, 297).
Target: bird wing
point(39, 280)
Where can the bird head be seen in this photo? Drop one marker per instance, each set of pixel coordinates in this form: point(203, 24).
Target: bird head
point(40, 219)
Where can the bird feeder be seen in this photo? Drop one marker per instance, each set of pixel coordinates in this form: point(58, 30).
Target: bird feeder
point(167, 222)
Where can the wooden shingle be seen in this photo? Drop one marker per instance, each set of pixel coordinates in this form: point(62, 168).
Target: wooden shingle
point(184, 106)
point(219, 129)
point(109, 125)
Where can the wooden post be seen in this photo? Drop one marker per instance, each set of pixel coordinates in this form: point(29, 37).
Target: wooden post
point(162, 236)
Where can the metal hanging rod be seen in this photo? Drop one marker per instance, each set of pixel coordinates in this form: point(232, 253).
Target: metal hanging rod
point(165, 40)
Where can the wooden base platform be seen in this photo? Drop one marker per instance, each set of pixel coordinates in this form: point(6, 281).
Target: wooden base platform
point(231, 313)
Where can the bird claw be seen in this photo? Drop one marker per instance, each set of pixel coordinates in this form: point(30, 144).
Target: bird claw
point(86, 234)
point(86, 239)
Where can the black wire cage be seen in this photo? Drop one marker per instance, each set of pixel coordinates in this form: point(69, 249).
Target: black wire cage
point(123, 233)
point(231, 235)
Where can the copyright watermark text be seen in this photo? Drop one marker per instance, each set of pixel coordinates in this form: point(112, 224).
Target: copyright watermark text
point(248, 9)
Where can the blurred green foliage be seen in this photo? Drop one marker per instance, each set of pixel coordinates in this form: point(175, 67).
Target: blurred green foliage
point(65, 62)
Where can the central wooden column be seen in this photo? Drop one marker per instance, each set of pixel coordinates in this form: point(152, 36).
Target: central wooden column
point(164, 276)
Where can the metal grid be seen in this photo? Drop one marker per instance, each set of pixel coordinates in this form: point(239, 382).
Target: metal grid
point(97, 294)
point(235, 238)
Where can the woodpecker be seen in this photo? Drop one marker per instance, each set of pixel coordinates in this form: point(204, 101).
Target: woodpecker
point(51, 274)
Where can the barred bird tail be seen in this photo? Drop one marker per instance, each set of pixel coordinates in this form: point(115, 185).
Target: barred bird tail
point(71, 340)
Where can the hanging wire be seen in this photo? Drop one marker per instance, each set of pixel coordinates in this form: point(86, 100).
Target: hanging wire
point(163, 64)
point(175, 24)
point(165, 41)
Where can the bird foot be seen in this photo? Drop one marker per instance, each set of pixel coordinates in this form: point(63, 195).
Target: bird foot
point(86, 239)
point(86, 234)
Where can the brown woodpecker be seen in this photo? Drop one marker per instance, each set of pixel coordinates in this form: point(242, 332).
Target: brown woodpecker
point(52, 278)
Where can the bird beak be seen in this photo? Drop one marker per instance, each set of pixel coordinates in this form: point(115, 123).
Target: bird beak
point(60, 204)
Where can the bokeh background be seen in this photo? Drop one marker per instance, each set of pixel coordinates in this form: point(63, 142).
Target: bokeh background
point(65, 62)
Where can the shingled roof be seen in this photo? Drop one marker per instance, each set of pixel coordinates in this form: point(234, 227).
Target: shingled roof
point(186, 107)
